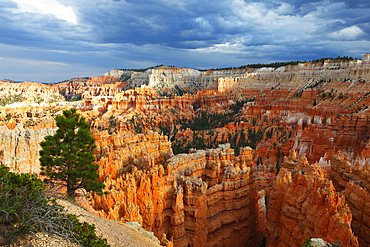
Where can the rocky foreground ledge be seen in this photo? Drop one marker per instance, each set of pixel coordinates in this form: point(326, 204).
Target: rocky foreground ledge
point(116, 233)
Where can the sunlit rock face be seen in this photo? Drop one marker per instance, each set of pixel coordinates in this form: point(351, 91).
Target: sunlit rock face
point(132, 78)
point(357, 199)
point(296, 79)
point(19, 147)
point(172, 79)
point(31, 91)
point(163, 77)
point(204, 198)
point(303, 203)
point(353, 181)
point(217, 196)
point(117, 154)
point(81, 88)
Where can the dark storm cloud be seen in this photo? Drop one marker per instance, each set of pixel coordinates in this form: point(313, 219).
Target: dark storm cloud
point(147, 22)
point(100, 35)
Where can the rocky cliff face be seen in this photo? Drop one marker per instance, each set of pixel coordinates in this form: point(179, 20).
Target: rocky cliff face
point(217, 194)
point(292, 80)
point(82, 88)
point(357, 199)
point(19, 148)
point(297, 79)
point(303, 203)
point(11, 92)
point(132, 78)
point(200, 199)
point(343, 171)
point(173, 78)
point(117, 154)
point(353, 180)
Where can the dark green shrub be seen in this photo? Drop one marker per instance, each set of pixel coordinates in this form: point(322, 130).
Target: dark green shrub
point(22, 202)
point(85, 234)
point(27, 208)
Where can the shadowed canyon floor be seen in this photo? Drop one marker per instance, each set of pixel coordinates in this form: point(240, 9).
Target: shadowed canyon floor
point(216, 158)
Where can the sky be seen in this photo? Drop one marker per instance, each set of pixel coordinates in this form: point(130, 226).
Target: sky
point(56, 40)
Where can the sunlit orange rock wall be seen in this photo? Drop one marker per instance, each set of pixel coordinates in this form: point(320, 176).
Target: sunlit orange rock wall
point(318, 133)
point(91, 86)
point(304, 204)
point(341, 171)
point(146, 99)
point(117, 154)
point(26, 88)
point(358, 200)
point(205, 198)
point(344, 133)
point(354, 181)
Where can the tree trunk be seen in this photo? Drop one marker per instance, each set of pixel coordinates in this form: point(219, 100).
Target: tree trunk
point(70, 191)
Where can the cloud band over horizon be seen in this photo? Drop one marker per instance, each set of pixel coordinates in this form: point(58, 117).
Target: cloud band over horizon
point(54, 40)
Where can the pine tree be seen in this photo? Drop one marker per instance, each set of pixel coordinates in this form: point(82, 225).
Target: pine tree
point(67, 157)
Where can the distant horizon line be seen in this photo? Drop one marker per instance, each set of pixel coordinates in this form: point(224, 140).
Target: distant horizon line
point(254, 65)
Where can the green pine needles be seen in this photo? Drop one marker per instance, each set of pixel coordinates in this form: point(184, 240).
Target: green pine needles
point(26, 208)
point(67, 157)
